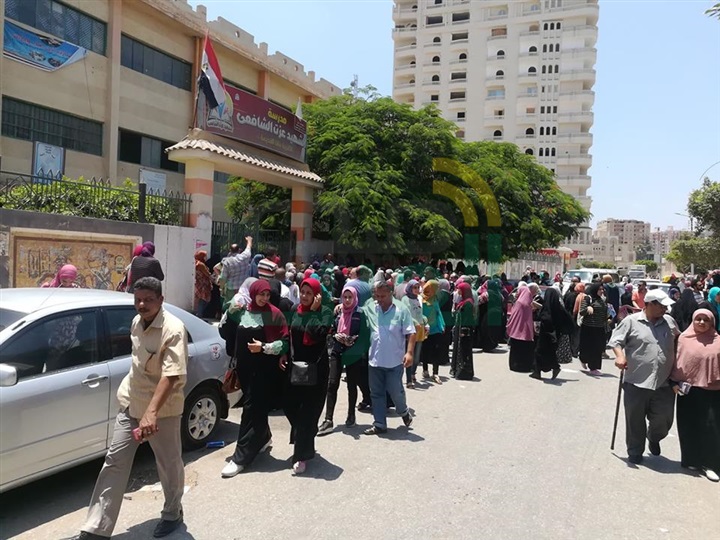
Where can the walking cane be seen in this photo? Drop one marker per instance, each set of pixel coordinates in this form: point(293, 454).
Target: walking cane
point(617, 409)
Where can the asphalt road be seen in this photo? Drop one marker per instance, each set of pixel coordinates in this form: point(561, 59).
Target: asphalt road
point(503, 456)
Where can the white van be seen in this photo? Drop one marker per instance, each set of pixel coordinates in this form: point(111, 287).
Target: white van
point(586, 275)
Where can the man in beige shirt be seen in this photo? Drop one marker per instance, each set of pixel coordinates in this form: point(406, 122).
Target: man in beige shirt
point(151, 403)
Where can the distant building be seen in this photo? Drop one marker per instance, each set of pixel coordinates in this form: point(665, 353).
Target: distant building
point(629, 232)
point(662, 240)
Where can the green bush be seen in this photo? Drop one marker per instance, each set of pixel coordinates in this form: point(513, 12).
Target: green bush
point(85, 198)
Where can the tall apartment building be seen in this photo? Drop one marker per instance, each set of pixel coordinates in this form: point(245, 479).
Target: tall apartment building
point(662, 240)
point(631, 232)
point(516, 71)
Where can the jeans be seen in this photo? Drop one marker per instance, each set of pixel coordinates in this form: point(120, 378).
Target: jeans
point(201, 306)
point(384, 381)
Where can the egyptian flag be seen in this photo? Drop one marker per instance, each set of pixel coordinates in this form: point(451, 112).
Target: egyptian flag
point(211, 81)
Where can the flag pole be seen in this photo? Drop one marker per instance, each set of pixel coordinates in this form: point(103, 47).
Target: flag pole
point(199, 48)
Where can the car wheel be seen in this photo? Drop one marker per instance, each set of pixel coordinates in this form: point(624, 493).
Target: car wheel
point(201, 417)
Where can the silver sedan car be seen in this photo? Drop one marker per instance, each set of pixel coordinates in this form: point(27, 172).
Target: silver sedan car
point(63, 354)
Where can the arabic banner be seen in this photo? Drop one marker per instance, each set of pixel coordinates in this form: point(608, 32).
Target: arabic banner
point(253, 120)
point(39, 51)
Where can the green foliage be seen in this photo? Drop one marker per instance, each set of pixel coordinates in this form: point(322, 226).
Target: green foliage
point(595, 264)
point(376, 157)
point(85, 198)
point(644, 250)
point(650, 265)
point(714, 11)
point(702, 252)
point(704, 206)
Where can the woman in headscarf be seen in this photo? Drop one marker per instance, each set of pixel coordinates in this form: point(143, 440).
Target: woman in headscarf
point(684, 309)
point(626, 297)
point(203, 284)
point(351, 340)
point(520, 330)
point(146, 265)
point(698, 407)
point(328, 283)
point(713, 304)
point(575, 337)
point(464, 324)
point(401, 283)
point(304, 404)
point(432, 346)
point(445, 300)
point(490, 315)
point(412, 301)
point(232, 311)
point(261, 340)
point(64, 278)
point(594, 312)
point(555, 321)
point(674, 294)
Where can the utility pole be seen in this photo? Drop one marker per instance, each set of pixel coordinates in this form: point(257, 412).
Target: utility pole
point(355, 86)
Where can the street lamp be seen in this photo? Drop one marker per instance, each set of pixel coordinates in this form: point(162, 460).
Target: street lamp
point(687, 216)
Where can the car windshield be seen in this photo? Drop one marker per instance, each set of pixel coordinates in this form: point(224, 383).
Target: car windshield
point(8, 317)
point(583, 275)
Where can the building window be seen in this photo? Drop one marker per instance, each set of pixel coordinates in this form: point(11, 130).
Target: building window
point(61, 21)
point(497, 134)
point(434, 97)
point(554, 109)
point(436, 60)
point(529, 152)
point(461, 17)
point(532, 70)
point(499, 74)
point(146, 151)
point(437, 19)
point(496, 93)
point(500, 112)
point(461, 115)
point(154, 63)
point(457, 95)
point(554, 131)
point(534, 28)
point(29, 122)
point(436, 39)
point(557, 68)
point(412, 62)
point(542, 111)
point(458, 76)
point(543, 69)
point(460, 36)
point(221, 177)
point(542, 130)
point(501, 54)
point(540, 153)
point(501, 31)
point(545, 27)
point(532, 50)
point(462, 56)
point(529, 131)
point(436, 78)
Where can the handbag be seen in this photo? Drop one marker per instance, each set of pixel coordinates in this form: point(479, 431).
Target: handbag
point(231, 381)
point(303, 374)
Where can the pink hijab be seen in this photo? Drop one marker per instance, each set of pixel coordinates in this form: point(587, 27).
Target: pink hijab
point(347, 313)
point(67, 271)
point(698, 355)
point(520, 326)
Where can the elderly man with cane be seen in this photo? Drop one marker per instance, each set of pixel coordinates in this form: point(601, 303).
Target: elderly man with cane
point(644, 345)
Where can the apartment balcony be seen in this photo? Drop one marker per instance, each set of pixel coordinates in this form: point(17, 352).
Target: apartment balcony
point(454, 81)
point(581, 95)
point(404, 15)
point(582, 30)
point(404, 88)
point(525, 138)
point(435, 45)
point(585, 53)
point(526, 118)
point(459, 2)
point(495, 98)
point(495, 38)
point(585, 202)
point(527, 54)
point(585, 139)
point(580, 160)
point(460, 41)
point(431, 83)
point(493, 78)
point(403, 32)
point(583, 117)
point(405, 50)
point(405, 69)
point(436, 25)
point(435, 65)
point(533, 33)
point(431, 102)
point(578, 75)
point(525, 95)
point(590, 10)
point(527, 78)
point(496, 16)
point(455, 62)
point(579, 181)
point(494, 120)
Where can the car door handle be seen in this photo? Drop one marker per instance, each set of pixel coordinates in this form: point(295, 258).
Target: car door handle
point(94, 380)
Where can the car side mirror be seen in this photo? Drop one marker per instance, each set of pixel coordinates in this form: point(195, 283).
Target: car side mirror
point(8, 375)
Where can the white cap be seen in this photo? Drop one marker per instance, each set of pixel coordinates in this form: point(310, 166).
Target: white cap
point(656, 295)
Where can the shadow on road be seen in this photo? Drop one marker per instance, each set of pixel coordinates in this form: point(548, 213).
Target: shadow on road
point(70, 490)
point(144, 530)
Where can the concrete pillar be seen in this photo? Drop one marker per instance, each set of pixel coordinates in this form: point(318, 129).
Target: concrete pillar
point(199, 176)
point(112, 122)
point(301, 213)
point(263, 84)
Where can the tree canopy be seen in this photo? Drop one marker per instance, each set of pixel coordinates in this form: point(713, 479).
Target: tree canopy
point(383, 196)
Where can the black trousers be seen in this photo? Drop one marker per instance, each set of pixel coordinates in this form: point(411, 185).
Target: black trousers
point(698, 425)
point(431, 352)
point(657, 406)
point(357, 376)
point(303, 407)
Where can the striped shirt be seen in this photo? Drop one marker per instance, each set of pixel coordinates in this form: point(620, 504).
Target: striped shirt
point(236, 268)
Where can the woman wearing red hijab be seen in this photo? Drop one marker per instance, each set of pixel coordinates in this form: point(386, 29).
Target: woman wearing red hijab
point(262, 338)
point(304, 401)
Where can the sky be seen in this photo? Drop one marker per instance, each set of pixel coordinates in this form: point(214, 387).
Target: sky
point(657, 93)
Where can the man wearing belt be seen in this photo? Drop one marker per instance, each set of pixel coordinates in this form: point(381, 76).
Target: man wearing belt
point(644, 345)
point(151, 399)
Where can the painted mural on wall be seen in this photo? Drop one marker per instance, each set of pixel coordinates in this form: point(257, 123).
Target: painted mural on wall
point(101, 259)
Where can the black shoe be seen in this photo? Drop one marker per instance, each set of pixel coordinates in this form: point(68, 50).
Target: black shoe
point(535, 375)
point(654, 448)
point(556, 372)
point(326, 427)
point(374, 430)
point(407, 419)
point(350, 421)
point(84, 535)
point(165, 527)
point(635, 460)
point(363, 407)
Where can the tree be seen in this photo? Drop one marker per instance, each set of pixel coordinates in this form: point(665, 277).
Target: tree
point(689, 250)
point(650, 266)
point(376, 157)
point(595, 264)
point(255, 205)
point(704, 206)
point(714, 11)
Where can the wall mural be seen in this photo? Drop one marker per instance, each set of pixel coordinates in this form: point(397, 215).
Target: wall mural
point(100, 258)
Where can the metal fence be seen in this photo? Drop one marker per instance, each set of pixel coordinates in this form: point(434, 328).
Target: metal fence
point(225, 233)
point(94, 198)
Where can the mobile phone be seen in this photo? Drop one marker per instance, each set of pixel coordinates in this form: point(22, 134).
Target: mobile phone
point(685, 388)
point(137, 434)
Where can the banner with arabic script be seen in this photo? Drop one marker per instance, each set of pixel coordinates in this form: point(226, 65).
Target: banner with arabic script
point(42, 52)
point(253, 120)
